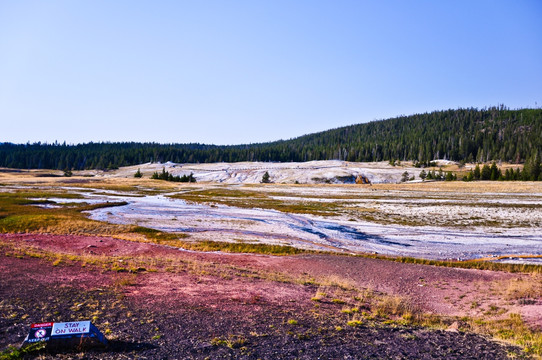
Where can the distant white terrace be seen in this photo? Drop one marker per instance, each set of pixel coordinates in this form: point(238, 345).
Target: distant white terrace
point(312, 172)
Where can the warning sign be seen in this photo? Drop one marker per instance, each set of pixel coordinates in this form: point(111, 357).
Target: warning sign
point(39, 332)
point(66, 334)
point(40, 325)
point(71, 328)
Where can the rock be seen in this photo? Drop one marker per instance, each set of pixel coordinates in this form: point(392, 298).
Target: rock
point(454, 327)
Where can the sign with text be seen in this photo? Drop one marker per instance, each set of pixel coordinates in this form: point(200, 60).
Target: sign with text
point(75, 333)
point(71, 328)
point(39, 332)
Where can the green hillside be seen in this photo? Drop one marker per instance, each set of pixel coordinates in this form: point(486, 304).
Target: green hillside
point(461, 135)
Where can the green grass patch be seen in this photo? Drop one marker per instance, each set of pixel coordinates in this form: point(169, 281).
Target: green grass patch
point(466, 264)
point(160, 237)
point(249, 199)
point(105, 186)
point(86, 207)
point(27, 222)
point(42, 194)
point(354, 323)
point(244, 248)
point(15, 353)
point(18, 213)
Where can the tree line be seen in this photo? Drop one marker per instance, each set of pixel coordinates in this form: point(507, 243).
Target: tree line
point(167, 176)
point(532, 171)
point(465, 135)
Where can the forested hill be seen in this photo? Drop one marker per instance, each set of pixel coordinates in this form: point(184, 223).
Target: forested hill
point(461, 135)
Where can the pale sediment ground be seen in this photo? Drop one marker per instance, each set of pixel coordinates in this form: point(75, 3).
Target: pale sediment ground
point(436, 225)
point(312, 172)
point(438, 220)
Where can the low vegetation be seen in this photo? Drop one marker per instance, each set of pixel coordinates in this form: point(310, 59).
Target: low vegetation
point(21, 212)
point(253, 199)
point(482, 264)
point(16, 353)
point(243, 247)
point(369, 307)
point(165, 175)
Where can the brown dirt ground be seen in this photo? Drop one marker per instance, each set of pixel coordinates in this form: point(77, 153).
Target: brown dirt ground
point(200, 314)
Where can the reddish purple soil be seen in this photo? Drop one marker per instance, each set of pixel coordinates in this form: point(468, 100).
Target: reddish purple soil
point(198, 314)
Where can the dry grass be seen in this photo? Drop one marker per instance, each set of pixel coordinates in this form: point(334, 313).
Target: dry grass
point(467, 187)
point(337, 281)
point(466, 264)
point(512, 330)
point(522, 288)
point(372, 205)
point(122, 281)
point(19, 212)
point(363, 306)
point(397, 306)
point(243, 248)
point(397, 310)
point(143, 263)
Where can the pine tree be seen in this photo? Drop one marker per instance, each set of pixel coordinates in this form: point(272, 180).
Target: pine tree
point(138, 174)
point(477, 172)
point(265, 178)
point(486, 172)
point(191, 178)
point(535, 167)
point(508, 175)
point(495, 173)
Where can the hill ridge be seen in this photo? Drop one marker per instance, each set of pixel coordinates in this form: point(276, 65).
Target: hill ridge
point(468, 135)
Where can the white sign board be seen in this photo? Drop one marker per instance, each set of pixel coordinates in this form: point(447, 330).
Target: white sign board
point(70, 328)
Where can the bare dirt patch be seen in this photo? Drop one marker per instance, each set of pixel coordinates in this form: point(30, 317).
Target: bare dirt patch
point(94, 245)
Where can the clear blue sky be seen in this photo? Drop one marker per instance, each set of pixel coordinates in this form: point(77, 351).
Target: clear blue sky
point(230, 72)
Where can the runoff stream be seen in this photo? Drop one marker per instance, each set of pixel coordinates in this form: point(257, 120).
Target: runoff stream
point(226, 223)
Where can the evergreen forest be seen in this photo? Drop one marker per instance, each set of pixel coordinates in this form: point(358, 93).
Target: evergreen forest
point(464, 135)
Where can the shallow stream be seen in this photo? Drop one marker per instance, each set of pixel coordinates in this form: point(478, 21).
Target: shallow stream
point(226, 223)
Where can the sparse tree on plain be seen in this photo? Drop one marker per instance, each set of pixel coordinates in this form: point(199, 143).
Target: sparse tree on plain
point(265, 178)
